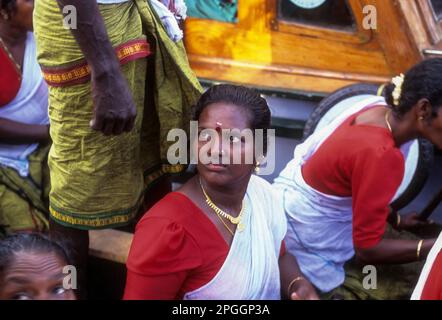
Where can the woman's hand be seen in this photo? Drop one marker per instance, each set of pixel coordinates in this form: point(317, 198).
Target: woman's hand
point(303, 290)
point(293, 283)
point(411, 221)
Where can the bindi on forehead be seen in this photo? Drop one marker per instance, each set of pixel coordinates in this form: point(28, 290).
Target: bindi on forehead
point(221, 116)
point(218, 126)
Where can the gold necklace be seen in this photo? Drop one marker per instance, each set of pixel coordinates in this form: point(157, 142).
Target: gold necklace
point(222, 214)
point(11, 57)
point(225, 224)
point(387, 114)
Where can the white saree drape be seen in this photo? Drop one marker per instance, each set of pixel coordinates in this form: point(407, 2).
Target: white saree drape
point(251, 271)
point(319, 231)
point(30, 106)
point(417, 293)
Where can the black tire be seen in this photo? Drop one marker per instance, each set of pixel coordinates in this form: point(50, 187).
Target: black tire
point(333, 99)
point(426, 149)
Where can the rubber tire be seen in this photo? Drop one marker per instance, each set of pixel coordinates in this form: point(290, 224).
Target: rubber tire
point(426, 149)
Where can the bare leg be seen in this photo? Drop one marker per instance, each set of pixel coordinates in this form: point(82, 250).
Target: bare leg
point(157, 192)
point(78, 242)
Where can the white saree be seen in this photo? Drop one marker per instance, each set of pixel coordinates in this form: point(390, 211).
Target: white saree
point(251, 270)
point(30, 106)
point(319, 231)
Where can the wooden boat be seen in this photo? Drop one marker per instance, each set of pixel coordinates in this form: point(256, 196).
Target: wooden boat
point(313, 45)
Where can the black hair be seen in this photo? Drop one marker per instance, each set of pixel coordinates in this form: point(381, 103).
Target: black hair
point(8, 5)
point(249, 99)
point(29, 242)
point(423, 81)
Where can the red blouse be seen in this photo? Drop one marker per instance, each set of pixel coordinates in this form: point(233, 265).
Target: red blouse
point(176, 249)
point(10, 79)
point(433, 286)
point(363, 162)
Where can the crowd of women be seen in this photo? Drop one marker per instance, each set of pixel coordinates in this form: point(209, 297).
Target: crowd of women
point(111, 91)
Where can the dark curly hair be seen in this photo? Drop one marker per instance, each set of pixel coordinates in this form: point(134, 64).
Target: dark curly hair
point(8, 5)
point(29, 242)
point(249, 99)
point(423, 81)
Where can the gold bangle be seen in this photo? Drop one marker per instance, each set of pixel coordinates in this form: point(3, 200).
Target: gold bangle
point(292, 283)
point(398, 219)
point(419, 247)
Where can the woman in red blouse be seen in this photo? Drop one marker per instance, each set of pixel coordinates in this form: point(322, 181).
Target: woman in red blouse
point(221, 235)
point(338, 187)
point(24, 123)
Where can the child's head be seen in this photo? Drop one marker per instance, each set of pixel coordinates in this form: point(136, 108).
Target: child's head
point(31, 268)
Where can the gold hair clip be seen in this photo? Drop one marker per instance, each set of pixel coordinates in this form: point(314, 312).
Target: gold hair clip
point(397, 92)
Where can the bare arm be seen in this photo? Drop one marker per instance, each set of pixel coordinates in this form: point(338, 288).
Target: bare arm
point(12, 132)
point(114, 107)
point(389, 251)
point(300, 289)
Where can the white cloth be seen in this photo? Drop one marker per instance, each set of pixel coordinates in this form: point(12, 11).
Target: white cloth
point(30, 106)
point(168, 19)
point(434, 252)
point(178, 7)
point(319, 231)
point(251, 270)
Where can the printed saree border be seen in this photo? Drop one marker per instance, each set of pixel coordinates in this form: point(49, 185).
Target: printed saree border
point(94, 220)
point(80, 72)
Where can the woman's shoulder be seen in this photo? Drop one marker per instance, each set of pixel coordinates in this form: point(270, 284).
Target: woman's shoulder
point(169, 218)
point(383, 152)
point(258, 182)
point(174, 209)
point(162, 242)
point(371, 142)
point(380, 160)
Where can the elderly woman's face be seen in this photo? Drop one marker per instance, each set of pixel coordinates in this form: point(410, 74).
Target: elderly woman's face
point(22, 16)
point(35, 276)
point(222, 118)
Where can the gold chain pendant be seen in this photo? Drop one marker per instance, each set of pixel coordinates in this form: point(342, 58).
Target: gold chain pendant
point(11, 57)
point(234, 220)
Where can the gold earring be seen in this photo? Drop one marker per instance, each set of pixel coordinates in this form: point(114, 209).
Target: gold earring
point(257, 168)
point(5, 15)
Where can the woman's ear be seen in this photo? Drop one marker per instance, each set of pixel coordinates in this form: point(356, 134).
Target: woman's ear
point(424, 110)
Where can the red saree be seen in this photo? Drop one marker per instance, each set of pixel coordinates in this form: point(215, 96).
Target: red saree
point(10, 79)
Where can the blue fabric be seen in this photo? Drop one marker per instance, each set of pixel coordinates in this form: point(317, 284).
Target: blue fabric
point(220, 10)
